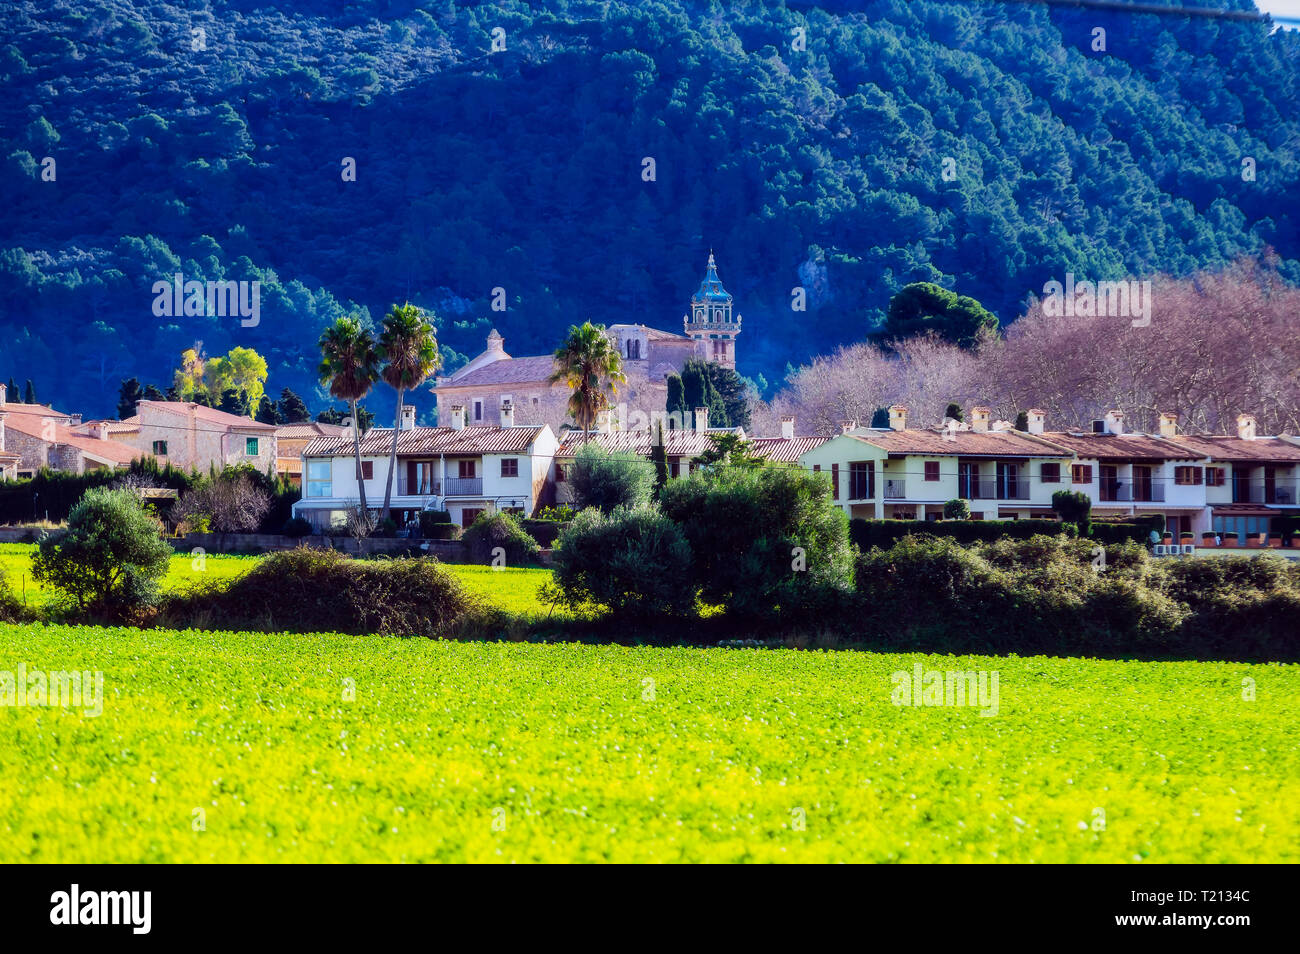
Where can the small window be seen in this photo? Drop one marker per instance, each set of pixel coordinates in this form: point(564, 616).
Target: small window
point(509, 466)
point(674, 467)
point(1187, 476)
point(478, 410)
point(559, 473)
point(931, 470)
point(1214, 476)
point(160, 448)
point(465, 468)
point(1081, 474)
point(1051, 473)
point(367, 470)
point(250, 446)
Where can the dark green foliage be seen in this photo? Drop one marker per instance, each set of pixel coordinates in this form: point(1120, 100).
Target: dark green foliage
point(1022, 421)
point(633, 562)
point(925, 308)
point(297, 527)
point(11, 610)
point(335, 415)
point(764, 543)
point(1073, 507)
point(291, 408)
point(866, 534)
point(309, 590)
point(605, 481)
point(728, 450)
point(956, 509)
point(659, 457)
point(676, 405)
point(544, 532)
point(112, 557)
point(53, 493)
point(267, 412)
point(128, 395)
point(29, 393)
point(880, 417)
point(497, 536)
point(954, 411)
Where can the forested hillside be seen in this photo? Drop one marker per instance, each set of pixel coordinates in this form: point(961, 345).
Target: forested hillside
point(219, 155)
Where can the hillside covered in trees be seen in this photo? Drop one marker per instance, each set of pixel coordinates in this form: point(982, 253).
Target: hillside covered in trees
point(587, 165)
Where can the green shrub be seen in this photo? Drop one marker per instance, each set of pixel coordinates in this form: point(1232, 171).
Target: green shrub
point(605, 481)
point(866, 534)
point(433, 518)
point(1073, 507)
point(632, 562)
point(764, 541)
point(11, 611)
point(297, 527)
point(544, 532)
point(318, 590)
point(441, 531)
point(112, 556)
point(500, 531)
point(956, 509)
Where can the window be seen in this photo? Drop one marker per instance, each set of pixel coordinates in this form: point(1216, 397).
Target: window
point(1187, 476)
point(160, 448)
point(1051, 473)
point(674, 467)
point(318, 479)
point(1081, 473)
point(465, 468)
point(1214, 476)
point(559, 473)
point(478, 410)
point(861, 474)
point(250, 446)
point(367, 470)
point(509, 466)
point(931, 470)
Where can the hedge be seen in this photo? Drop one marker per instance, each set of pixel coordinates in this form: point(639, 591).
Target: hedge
point(544, 532)
point(885, 533)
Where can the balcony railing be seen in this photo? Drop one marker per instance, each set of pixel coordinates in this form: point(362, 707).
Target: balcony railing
point(1129, 491)
point(463, 486)
point(993, 488)
point(895, 489)
point(420, 487)
point(1281, 491)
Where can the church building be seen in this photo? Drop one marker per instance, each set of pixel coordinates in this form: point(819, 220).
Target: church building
point(494, 377)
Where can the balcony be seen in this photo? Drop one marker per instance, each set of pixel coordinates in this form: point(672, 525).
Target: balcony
point(1280, 491)
point(1151, 490)
point(463, 486)
point(895, 489)
point(420, 487)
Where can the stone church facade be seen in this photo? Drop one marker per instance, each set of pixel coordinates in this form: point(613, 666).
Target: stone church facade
point(649, 355)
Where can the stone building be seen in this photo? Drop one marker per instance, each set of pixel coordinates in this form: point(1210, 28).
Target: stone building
point(649, 356)
point(189, 435)
point(33, 436)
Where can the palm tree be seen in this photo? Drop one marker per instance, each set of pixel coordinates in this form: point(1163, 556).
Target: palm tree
point(409, 348)
point(588, 363)
point(350, 366)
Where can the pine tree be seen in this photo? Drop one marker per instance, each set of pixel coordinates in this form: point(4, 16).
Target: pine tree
point(292, 409)
point(267, 412)
point(29, 393)
point(128, 395)
point(659, 455)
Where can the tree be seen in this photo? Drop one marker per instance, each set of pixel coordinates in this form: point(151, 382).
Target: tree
point(291, 407)
point(111, 557)
point(676, 405)
point(235, 401)
point(956, 509)
point(603, 480)
point(267, 412)
point(729, 450)
point(188, 379)
point(29, 393)
point(231, 502)
point(923, 307)
point(128, 396)
point(152, 393)
point(880, 417)
point(242, 369)
point(333, 415)
point(349, 367)
point(1074, 508)
point(659, 457)
point(1022, 421)
point(590, 365)
point(953, 412)
point(12, 390)
point(409, 349)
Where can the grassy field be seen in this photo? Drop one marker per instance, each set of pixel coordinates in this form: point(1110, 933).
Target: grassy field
point(513, 589)
point(523, 752)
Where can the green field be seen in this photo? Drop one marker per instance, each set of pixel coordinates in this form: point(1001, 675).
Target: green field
point(513, 589)
point(532, 752)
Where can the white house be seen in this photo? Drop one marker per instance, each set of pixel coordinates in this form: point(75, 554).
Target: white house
point(464, 470)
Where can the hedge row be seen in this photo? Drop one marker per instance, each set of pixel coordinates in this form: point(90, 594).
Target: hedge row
point(885, 533)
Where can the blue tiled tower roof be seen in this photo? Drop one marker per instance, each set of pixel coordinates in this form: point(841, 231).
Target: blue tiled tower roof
point(711, 289)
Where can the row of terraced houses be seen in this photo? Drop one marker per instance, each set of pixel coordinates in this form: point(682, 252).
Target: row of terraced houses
point(1199, 483)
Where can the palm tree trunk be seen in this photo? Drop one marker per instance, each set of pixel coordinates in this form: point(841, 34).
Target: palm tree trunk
point(356, 447)
point(392, 458)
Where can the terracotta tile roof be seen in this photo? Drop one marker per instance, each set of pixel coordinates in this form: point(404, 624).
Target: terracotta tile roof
point(652, 334)
point(208, 415)
point(306, 430)
point(35, 410)
point(114, 427)
point(785, 450)
point(422, 441)
point(679, 443)
point(1225, 448)
point(1120, 447)
point(110, 451)
point(959, 443)
point(507, 371)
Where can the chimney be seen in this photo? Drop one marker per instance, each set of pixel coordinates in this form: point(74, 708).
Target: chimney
point(458, 417)
point(507, 413)
point(979, 419)
point(701, 418)
point(408, 417)
point(787, 428)
point(846, 426)
point(99, 430)
point(76, 419)
point(1168, 425)
point(1114, 422)
point(1246, 427)
point(898, 417)
point(495, 343)
point(1037, 420)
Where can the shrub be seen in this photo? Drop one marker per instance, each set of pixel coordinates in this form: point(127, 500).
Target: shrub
point(441, 531)
point(297, 527)
point(956, 509)
point(632, 562)
point(544, 532)
point(605, 481)
point(500, 530)
point(885, 533)
point(112, 556)
point(11, 611)
point(317, 590)
point(1073, 507)
point(764, 542)
point(231, 502)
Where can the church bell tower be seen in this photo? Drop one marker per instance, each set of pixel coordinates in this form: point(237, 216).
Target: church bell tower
point(710, 322)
